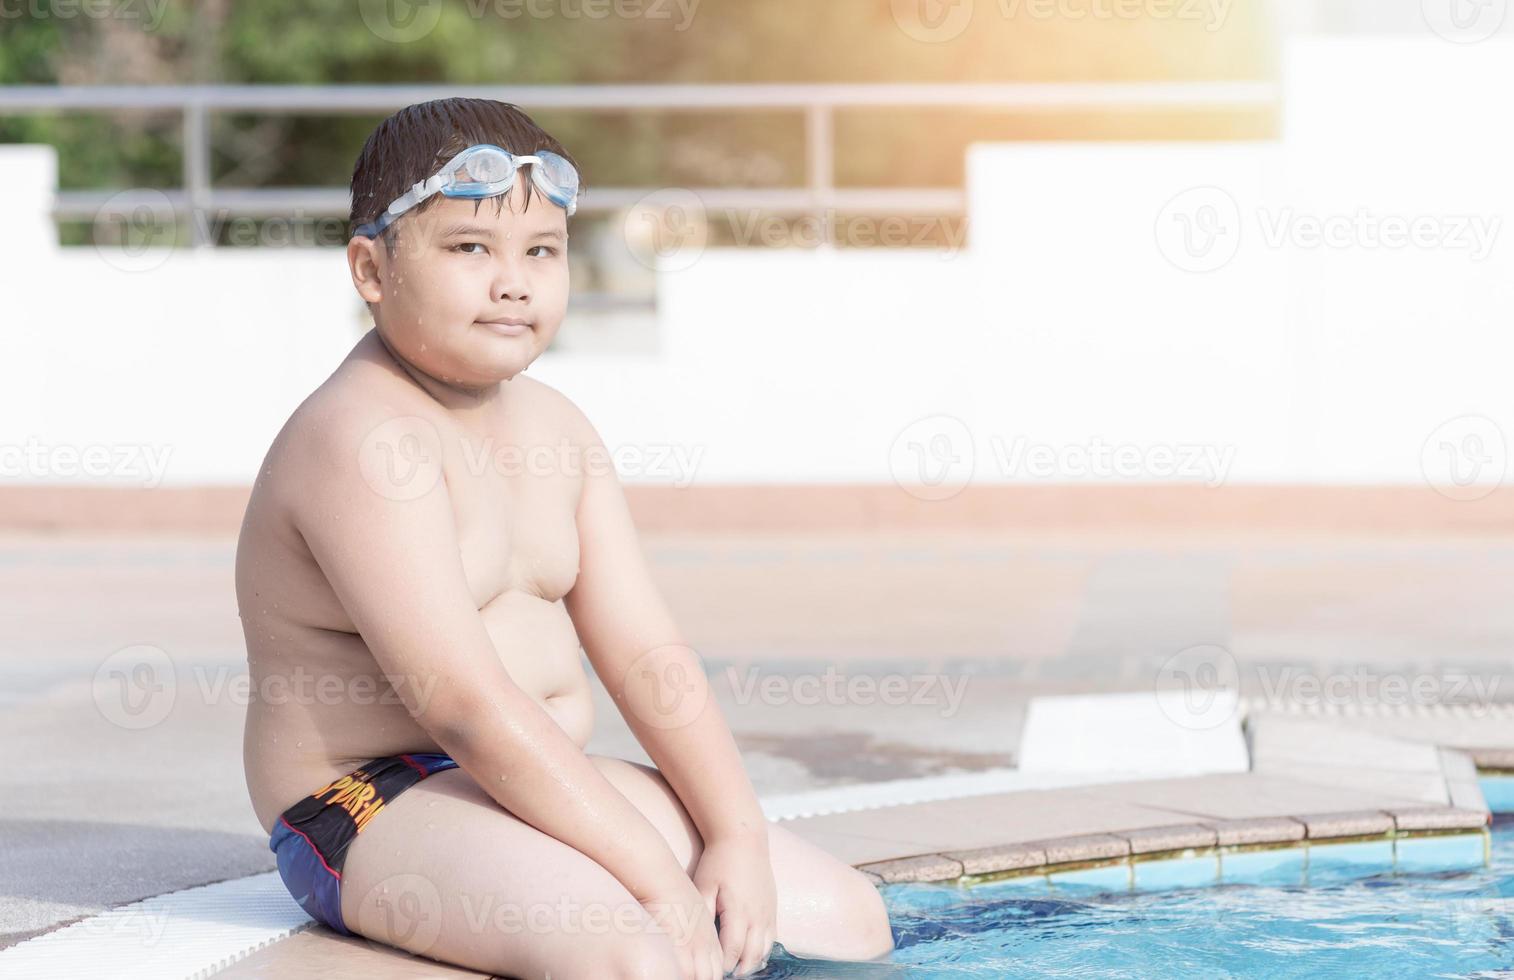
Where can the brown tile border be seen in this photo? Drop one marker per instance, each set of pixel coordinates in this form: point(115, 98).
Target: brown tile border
point(921, 867)
point(1257, 830)
point(1007, 857)
point(1438, 818)
point(1182, 837)
point(856, 507)
point(1049, 855)
point(1363, 823)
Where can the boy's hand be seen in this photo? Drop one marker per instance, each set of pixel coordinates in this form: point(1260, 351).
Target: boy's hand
point(687, 920)
point(735, 876)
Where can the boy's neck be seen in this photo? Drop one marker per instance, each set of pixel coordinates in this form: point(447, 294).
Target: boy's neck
point(465, 403)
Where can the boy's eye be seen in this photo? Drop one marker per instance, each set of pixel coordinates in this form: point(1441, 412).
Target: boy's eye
point(548, 250)
point(467, 245)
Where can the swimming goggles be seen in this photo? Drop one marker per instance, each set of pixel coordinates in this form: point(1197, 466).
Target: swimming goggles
point(485, 170)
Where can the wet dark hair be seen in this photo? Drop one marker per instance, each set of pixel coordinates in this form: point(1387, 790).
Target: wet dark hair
point(412, 144)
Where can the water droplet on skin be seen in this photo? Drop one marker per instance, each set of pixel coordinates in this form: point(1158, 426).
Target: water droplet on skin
point(298, 744)
point(430, 826)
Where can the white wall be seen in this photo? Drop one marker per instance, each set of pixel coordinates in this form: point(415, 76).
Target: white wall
point(1079, 318)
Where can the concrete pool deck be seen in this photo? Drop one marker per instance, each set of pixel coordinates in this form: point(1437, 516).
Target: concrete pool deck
point(1411, 806)
point(105, 817)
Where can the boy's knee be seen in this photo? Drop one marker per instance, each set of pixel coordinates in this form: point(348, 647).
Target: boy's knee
point(872, 934)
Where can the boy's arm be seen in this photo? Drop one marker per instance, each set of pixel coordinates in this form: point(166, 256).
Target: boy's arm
point(657, 682)
point(390, 551)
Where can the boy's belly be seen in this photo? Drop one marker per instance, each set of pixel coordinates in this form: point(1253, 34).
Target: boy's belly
point(317, 713)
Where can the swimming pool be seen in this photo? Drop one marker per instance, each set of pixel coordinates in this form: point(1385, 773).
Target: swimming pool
point(1328, 921)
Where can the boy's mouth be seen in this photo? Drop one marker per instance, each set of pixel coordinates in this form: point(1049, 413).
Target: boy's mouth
point(507, 326)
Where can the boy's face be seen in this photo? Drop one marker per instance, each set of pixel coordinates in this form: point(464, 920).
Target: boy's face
point(440, 298)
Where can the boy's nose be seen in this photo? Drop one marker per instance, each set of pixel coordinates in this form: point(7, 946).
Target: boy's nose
point(510, 283)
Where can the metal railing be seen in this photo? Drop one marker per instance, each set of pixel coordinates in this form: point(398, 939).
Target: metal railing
point(818, 103)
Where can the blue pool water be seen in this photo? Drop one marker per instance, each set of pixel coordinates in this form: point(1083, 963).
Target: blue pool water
point(1445, 924)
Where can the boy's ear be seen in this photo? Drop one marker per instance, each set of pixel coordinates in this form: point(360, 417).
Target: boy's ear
point(363, 261)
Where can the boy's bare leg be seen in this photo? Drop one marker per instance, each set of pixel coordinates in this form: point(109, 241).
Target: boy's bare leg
point(444, 871)
point(826, 908)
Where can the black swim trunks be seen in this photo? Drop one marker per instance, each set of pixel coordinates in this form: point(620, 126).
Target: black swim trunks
point(310, 839)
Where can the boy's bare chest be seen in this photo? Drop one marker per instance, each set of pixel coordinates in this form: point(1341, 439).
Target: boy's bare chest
point(515, 498)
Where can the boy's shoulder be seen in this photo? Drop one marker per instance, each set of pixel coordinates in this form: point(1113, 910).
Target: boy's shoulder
point(357, 408)
point(555, 407)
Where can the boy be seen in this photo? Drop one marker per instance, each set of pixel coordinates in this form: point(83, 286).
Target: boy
point(430, 539)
